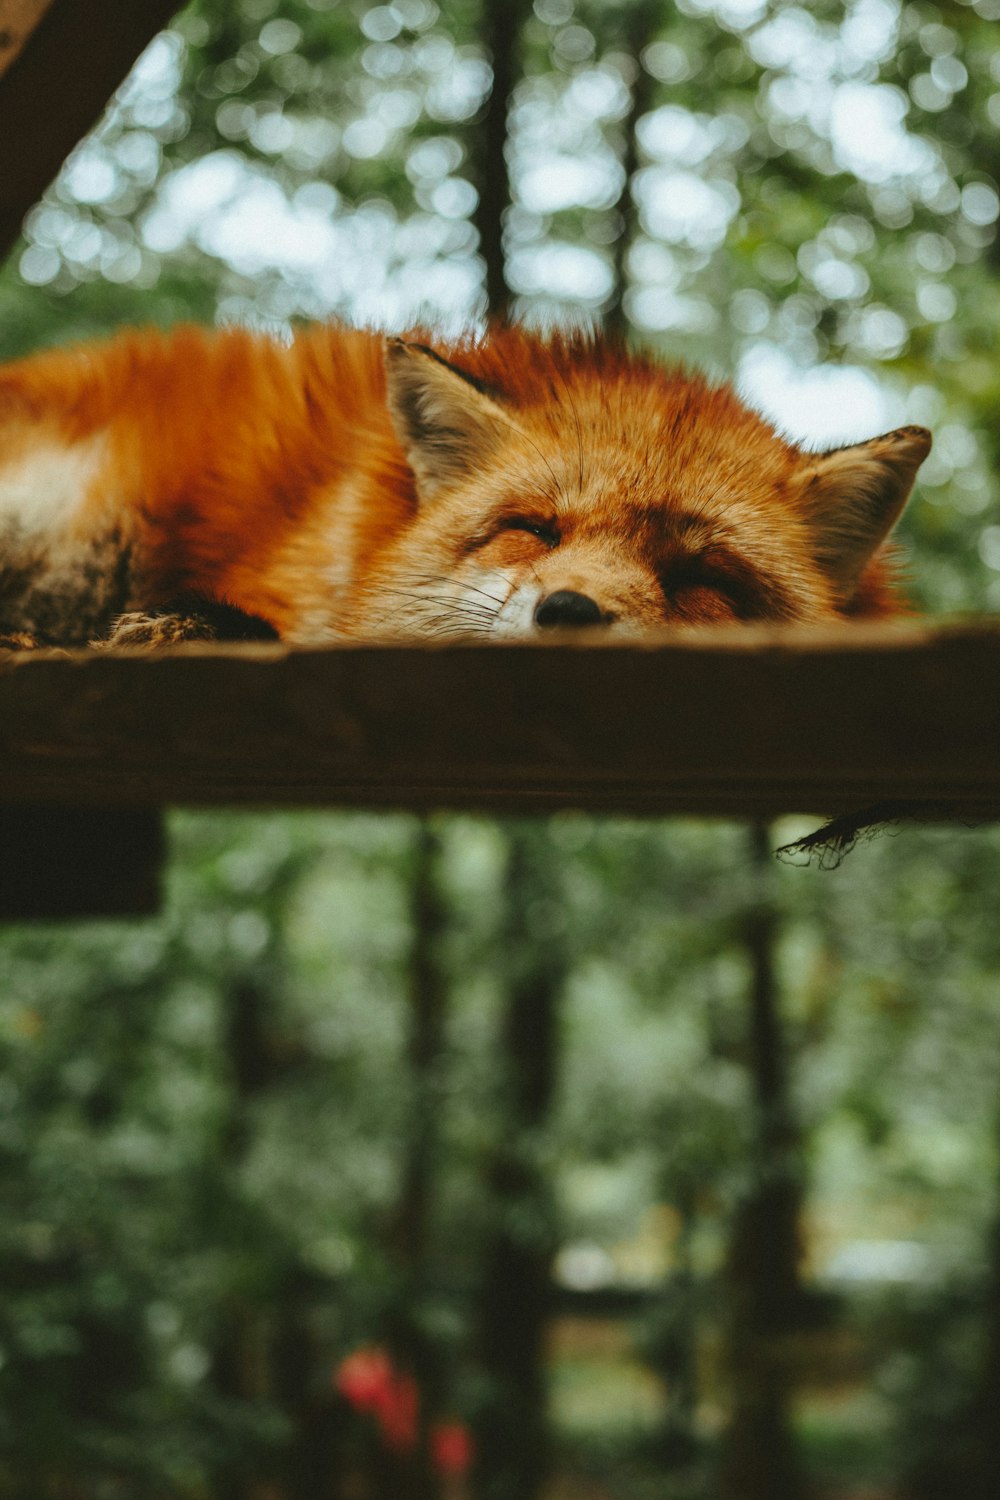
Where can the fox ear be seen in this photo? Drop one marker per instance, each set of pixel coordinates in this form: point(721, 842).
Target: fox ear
point(852, 498)
point(445, 422)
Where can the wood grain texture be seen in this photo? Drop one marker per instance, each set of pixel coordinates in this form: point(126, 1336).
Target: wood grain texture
point(66, 67)
point(744, 722)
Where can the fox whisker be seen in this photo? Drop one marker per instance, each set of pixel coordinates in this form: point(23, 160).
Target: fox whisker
point(465, 587)
point(443, 614)
point(454, 602)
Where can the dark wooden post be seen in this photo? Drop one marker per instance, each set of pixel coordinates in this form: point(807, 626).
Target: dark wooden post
point(58, 863)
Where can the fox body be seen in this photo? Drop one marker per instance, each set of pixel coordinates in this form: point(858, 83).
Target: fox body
point(346, 486)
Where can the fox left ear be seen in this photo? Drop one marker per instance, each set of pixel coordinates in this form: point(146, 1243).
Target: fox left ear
point(852, 498)
point(445, 422)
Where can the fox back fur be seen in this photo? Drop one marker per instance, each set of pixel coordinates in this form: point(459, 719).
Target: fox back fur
point(346, 486)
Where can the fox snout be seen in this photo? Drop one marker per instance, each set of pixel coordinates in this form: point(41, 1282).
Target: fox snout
point(569, 610)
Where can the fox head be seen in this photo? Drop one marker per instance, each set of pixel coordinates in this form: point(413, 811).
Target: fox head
point(566, 482)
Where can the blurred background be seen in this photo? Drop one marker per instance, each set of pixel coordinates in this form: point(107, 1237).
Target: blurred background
point(446, 1159)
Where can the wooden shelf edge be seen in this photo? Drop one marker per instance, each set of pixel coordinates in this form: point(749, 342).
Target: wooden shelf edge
point(749, 722)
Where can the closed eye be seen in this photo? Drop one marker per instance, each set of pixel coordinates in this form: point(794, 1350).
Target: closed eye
point(512, 523)
point(735, 590)
point(546, 531)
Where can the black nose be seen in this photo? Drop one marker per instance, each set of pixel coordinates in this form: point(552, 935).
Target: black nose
point(567, 608)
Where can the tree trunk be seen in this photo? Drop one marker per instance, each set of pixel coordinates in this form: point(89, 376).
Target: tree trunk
point(239, 1367)
point(760, 1462)
point(512, 1434)
point(672, 1339)
point(977, 1448)
point(501, 32)
point(412, 1351)
point(512, 1431)
point(642, 23)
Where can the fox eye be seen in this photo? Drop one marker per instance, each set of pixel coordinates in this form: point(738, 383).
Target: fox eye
point(702, 591)
point(546, 531)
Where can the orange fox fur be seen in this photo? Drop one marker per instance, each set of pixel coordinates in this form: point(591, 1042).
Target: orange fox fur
point(350, 487)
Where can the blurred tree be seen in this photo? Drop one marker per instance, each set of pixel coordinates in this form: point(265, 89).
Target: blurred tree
point(515, 1293)
point(764, 1295)
point(409, 1339)
point(502, 24)
point(642, 23)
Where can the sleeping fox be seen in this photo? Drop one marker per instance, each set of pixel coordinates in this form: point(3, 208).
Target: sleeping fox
point(352, 487)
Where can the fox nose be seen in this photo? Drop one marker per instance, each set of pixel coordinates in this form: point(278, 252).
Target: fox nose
point(566, 607)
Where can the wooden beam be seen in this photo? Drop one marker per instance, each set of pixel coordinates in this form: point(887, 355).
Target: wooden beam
point(60, 62)
point(737, 722)
point(67, 862)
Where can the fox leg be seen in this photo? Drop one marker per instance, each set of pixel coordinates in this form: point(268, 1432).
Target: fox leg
point(192, 618)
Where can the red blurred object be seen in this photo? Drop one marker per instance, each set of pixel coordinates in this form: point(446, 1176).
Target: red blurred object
point(364, 1377)
point(368, 1381)
point(397, 1413)
point(451, 1448)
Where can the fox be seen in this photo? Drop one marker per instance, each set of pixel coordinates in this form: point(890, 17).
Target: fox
point(346, 485)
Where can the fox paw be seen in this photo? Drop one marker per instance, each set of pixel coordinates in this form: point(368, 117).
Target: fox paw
point(151, 631)
point(19, 640)
point(191, 618)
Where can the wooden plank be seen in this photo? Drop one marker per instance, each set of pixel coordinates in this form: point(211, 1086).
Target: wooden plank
point(62, 62)
point(68, 862)
point(745, 722)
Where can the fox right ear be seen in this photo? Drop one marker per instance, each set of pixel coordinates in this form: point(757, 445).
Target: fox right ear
point(445, 422)
point(852, 498)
